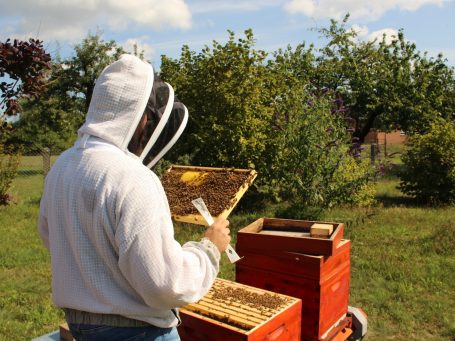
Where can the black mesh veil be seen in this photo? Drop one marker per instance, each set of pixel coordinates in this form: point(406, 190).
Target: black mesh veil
point(166, 120)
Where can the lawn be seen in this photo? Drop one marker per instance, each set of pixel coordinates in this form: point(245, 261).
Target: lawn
point(402, 275)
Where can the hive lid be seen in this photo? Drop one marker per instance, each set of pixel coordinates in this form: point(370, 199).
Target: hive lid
point(220, 188)
point(288, 235)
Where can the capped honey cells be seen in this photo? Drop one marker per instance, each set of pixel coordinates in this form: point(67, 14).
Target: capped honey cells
point(238, 305)
point(217, 188)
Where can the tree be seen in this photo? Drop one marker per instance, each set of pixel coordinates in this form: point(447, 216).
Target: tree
point(248, 112)
point(53, 120)
point(9, 162)
point(24, 69)
point(315, 163)
point(385, 85)
point(47, 123)
point(429, 164)
point(77, 75)
point(224, 90)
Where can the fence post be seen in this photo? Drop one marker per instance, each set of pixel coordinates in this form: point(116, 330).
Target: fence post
point(373, 152)
point(46, 152)
point(385, 145)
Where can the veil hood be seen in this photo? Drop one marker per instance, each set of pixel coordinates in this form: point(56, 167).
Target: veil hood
point(121, 94)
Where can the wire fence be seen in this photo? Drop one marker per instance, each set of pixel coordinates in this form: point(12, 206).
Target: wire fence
point(382, 147)
point(37, 163)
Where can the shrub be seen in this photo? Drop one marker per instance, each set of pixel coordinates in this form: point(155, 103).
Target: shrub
point(9, 162)
point(315, 161)
point(428, 172)
point(249, 112)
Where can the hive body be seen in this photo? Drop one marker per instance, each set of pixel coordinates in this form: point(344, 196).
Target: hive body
point(232, 311)
point(288, 262)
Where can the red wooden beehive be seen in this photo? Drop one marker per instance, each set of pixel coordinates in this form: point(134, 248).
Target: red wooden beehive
point(269, 234)
point(282, 263)
point(235, 312)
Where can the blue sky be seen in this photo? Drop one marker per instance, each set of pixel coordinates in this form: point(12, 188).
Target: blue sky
point(163, 26)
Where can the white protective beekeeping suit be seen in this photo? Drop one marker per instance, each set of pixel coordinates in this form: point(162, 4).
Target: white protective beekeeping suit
point(104, 214)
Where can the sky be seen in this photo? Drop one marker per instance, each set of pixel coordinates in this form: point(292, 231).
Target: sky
point(162, 27)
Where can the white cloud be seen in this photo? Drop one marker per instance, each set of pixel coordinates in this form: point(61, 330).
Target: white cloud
point(366, 10)
point(70, 20)
point(389, 33)
point(210, 6)
point(141, 44)
point(364, 34)
point(361, 31)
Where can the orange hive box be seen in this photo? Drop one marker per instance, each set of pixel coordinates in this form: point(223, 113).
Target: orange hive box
point(235, 312)
point(288, 235)
point(321, 281)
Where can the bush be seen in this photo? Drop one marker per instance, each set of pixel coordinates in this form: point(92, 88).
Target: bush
point(223, 88)
point(428, 172)
point(315, 162)
point(247, 112)
point(9, 162)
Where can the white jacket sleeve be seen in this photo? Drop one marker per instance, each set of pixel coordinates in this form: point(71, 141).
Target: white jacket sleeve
point(164, 273)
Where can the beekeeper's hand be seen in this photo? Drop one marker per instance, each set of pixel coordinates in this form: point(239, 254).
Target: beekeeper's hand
point(218, 234)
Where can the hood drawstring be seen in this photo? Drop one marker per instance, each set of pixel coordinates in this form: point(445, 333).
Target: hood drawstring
point(83, 141)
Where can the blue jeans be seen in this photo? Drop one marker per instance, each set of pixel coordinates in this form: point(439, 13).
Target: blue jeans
point(88, 332)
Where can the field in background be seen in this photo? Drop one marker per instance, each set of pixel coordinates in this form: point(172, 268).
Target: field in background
point(402, 275)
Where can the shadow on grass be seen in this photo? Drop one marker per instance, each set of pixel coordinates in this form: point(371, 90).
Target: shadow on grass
point(29, 172)
point(34, 201)
point(440, 242)
point(390, 194)
point(393, 201)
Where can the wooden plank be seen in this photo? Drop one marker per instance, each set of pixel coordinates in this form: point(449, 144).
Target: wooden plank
point(220, 281)
point(254, 227)
point(238, 307)
point(321, 230)
point(285, 326)
point(323, 301)
point(285, 233)
point(282, 262)
point(269, 243)
point(340, 258)
point(254, 237)
point(210, 313)
point(319, 268)
point(215, 320)
point(207, 169)
point(334, 299)
point(196, 328)
point(276, 223)
point(224, 309)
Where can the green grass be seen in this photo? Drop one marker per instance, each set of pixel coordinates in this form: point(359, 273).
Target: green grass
point(402, 274)
point(26, 309)
point(403, 263)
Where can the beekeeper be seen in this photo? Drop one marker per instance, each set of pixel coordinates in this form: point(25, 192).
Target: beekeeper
point(117, 270)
